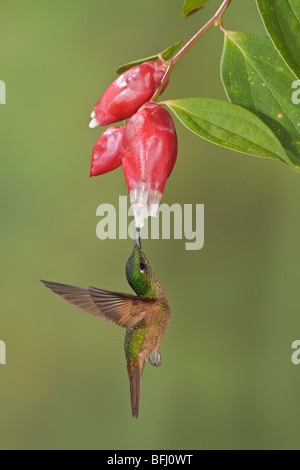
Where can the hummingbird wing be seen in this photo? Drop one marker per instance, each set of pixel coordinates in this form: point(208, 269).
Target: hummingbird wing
point(122, 309)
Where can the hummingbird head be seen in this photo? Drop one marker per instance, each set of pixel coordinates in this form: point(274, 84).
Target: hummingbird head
point(138, 270)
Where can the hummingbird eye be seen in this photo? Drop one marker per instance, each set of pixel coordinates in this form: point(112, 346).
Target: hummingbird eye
point(142, 267)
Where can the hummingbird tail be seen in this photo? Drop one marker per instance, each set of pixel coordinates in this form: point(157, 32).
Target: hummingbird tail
point(135, 390)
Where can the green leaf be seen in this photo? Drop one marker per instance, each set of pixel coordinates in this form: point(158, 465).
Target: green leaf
point(228, 125)
point(191, 6)
point(255, 77)
point(282, 21)
point(167, 54)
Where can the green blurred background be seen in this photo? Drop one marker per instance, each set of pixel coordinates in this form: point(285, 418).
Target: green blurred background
point(227, 380)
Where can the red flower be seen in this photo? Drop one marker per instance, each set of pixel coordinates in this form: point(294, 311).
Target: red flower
point(107, 152)
point(150, 152)
point(128, 93)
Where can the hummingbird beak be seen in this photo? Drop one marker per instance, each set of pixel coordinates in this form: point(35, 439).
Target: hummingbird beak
point(137, 240)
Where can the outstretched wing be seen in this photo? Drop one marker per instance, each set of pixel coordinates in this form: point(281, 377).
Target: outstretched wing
point(81, 298)
point(122, 309)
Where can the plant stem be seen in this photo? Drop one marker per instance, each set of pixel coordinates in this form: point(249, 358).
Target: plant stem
point(216, 20)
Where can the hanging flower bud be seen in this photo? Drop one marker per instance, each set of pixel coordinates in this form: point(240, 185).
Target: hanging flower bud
point(107, 152)
point(128, 93)
point(150, 153)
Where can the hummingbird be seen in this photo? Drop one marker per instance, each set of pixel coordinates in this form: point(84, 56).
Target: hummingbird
point(146, 315)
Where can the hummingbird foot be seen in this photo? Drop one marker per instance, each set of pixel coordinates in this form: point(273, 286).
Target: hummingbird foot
point(155, 359)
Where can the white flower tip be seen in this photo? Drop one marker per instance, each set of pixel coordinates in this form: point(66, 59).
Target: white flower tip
point(93, 114)
point(139, 203)
point(144, 202)
point(140, 213)
point(94, 123)
point(154, 210)
point(153, 202)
